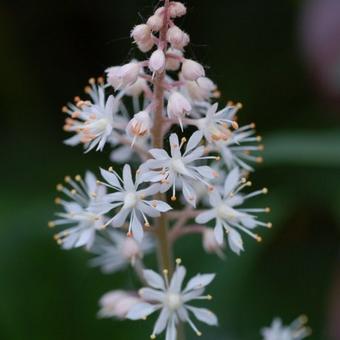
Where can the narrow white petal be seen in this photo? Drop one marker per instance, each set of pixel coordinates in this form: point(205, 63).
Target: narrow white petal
point(111, 178)
point(177, 279)
point(151, 295)
point(204, 315)
point(161, 321)
point(231, 181)
point(171, 332)
point(199, 281)
point(235, 241)
point(153, 279)
point(159, 154)
point(218, 232)
point(127, 178)
point(194, 140)
point(205, 216)
point(140, 311)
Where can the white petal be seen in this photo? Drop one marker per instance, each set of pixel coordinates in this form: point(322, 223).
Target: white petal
point(206, 171)
point(151, 295)
point(171, 332)
point(137, 228)
point(177, 279)
point(199, 281)
point(162, 206)
point(153, 279)
point(147, 209)
point(159, 154)
point(91, 181)
point(127, 178)
point(194, 140)
point(218, 232)
point(231, 181)
point(189, 193)
point(205, 216)
point(111, 178)
point(140, 311)
point(235, 241)
point(214, 198)
point(204, 315)
point(120, 218)
point(161, 321)
point(195, 154)
point(174, 146)
point(121, 154)
point(150, 191)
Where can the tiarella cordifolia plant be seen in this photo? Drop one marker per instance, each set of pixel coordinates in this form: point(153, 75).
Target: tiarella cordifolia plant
point(170, 185)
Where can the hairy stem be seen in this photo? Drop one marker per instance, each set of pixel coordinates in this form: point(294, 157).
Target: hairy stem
point(164, 251)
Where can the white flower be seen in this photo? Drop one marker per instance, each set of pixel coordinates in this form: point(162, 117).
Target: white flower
point(295, 331)
point(170, 169)
point(215, 125)
point(227, 214)
point(94, 122)
point(139, 125)
point(117, 303)
point(172, 301)
point(131, 201)
point(238, 145)
point(178, 107)
point(78, 212)
point(192, 70)
point(115, 251)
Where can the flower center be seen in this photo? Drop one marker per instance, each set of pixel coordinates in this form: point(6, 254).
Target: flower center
point(130, 200)
point(223, 211)
point(173, 301)
point(178, 166)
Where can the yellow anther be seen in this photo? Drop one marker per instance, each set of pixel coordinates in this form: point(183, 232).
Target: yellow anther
point(178, 261)
point(267, 210)
point(51, 224)
point(258, 238)
point(92, 81)
point(60, 187)
point(57, 200)
point(234, 125)
point(67, 179)
point(78, 178)
point(265, 190)
point(269, 225)
point(111, 169)
point(152, 336)
point(173, 198)
point(73, 191)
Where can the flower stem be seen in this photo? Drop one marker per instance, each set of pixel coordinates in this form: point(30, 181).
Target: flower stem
point(164, 251)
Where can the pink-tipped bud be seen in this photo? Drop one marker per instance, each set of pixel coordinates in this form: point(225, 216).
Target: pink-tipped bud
point(160, 11)
point(141, 33)
point(173, 62)
point(178, 106)
point(210, 244)
point(155, 22)
point(117, 303)
point(192, 70)
point(177, 38)
point(157, 61)
point(139, 125)
point(177, 9)
point(112, 76)
point(128, 74)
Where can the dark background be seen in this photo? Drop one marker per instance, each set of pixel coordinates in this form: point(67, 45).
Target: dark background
point(273, 56)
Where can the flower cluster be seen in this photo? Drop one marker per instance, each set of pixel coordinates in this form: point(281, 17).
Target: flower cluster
point(123, 214)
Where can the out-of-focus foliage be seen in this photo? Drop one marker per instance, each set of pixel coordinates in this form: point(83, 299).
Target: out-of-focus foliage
point(48, 50)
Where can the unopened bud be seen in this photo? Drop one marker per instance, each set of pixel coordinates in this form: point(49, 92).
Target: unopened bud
point(155, 22)
point(173, 64)
point(177, 38)
point(137, 88)
point(130, 249)
point(112, 76)
point(177, 9)
point(202, 89)
point(146, 46)
point(210, 244)
point(157, 61)
point(178, 105)
point(192, 70)
point(141, 33)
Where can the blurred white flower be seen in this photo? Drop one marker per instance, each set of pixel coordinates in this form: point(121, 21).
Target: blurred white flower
point(297, 330)
point(115, 251)
point(117, 303)
point(228, 216)
point(172, 301)
point(78, 212)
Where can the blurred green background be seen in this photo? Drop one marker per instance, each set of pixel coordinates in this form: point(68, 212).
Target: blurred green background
point(259, 53)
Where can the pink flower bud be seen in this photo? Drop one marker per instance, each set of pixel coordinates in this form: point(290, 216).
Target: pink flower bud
point(139, 126)
point(177, 9)
point(178, 106)
point(112, 76)
point(141, 33)
point(146, 46)
point(128, 74)
point(210, 244)
point(117, 303)
point(191, 70)
point(155, 22)
point(173, 64)
point(157, 61)
point(177, 38)
point(159, 11)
